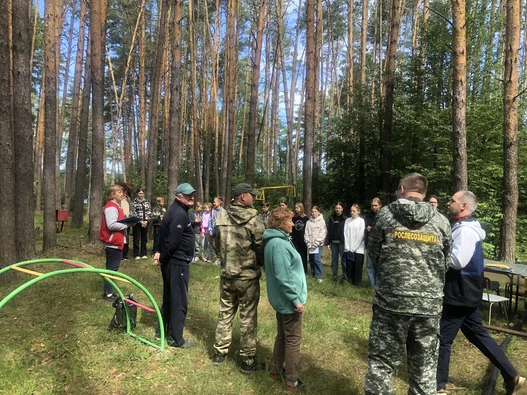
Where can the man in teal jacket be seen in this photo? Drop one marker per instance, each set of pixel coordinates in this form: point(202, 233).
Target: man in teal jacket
point(287, 293)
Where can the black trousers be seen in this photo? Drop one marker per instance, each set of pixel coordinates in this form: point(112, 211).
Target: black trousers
point(468, 319)
point(113, 261)
point(175, 299)
point(155, 246)
point(127, 244)
point(302, 250)
point(140, 240)
point(354, 269)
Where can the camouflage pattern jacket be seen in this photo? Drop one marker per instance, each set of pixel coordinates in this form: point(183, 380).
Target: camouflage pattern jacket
point(410, 246)
point(238, 242)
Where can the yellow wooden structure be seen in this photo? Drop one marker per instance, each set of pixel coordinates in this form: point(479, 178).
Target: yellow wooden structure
point(290, 191)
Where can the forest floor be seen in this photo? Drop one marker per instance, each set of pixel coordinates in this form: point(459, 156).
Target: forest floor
point(55, 338)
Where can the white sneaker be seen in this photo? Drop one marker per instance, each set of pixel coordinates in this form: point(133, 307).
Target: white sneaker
point(217, 262)
point(137, 257)
point(144, 257)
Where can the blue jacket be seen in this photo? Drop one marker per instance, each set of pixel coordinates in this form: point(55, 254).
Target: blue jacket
point(464, 278)
point(286, 281)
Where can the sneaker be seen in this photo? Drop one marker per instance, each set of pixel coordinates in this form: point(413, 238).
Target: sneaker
point(144, 257)
point(217, 262)
point(186, 344)
point(512, 387)
point(125, 258)
point(218, 359)
point(137, 258)
point(250, 365)
point(109, 297)
point(194, 260)
point(319, 280)
point(298, 386)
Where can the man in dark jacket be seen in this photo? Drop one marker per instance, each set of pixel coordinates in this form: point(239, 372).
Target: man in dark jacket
point(463, 292)
point(176, 251)
point(410, 250)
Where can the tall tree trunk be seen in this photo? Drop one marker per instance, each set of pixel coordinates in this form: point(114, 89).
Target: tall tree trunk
point(198, 182)
point(309, 109)
point(361, 179)
point(39, 148)
point(294, 154)
point(510, 133)
point(97, 30)
point(396, 13)
point(50, 124)
point(62, 114)
point(7, 150)
point(142, 102)
point(153, 118)
point(319, 73)
point(175, 99)
point(350, 53)
point(231, 73)
point(75, 107)
point(23, 130)
point(256, 57)
point(77, 215)
point(459, 96)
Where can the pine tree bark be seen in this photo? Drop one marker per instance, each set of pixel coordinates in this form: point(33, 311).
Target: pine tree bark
point(50, 124)
point(142, 102)
point(23, 130)
point(459, 96)
point(77, 215)
point(198, 182)
point(350, 54)
point(510, 133)
point(175, 97)
point(153, 118)
point(231, 72)
point(319, 98)
point(73, 138)
point(396, 14)
point(7, 151)
point(361, 179)
point(309, 105)
point(97, 31)
point(256, 57)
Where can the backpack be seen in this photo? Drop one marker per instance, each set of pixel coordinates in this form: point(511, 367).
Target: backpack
point(119, 318)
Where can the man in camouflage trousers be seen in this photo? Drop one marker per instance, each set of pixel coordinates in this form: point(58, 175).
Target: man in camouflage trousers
point(410, 246)
point(239, 245)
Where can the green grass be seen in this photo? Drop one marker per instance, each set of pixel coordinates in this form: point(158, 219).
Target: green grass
point(55, 338)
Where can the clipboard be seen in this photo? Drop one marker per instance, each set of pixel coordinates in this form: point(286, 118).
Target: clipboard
point(129, 220)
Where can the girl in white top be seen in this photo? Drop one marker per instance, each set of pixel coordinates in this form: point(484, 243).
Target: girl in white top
point(354, 229)
point(314, 238)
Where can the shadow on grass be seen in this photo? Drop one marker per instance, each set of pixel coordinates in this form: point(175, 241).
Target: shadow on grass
point(318, 379)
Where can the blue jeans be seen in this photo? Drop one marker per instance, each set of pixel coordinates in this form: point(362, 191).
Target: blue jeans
point(316, 264)
point(337, 250)
point(370, 271)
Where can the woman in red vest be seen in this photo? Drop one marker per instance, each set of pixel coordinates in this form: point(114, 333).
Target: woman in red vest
point(112, 234)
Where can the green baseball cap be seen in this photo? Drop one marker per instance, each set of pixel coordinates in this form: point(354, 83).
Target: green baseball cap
point(244, 188)
point(185, 189)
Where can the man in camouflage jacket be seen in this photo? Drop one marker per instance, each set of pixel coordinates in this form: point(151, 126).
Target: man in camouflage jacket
point(239, 245)
point(410, 246)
